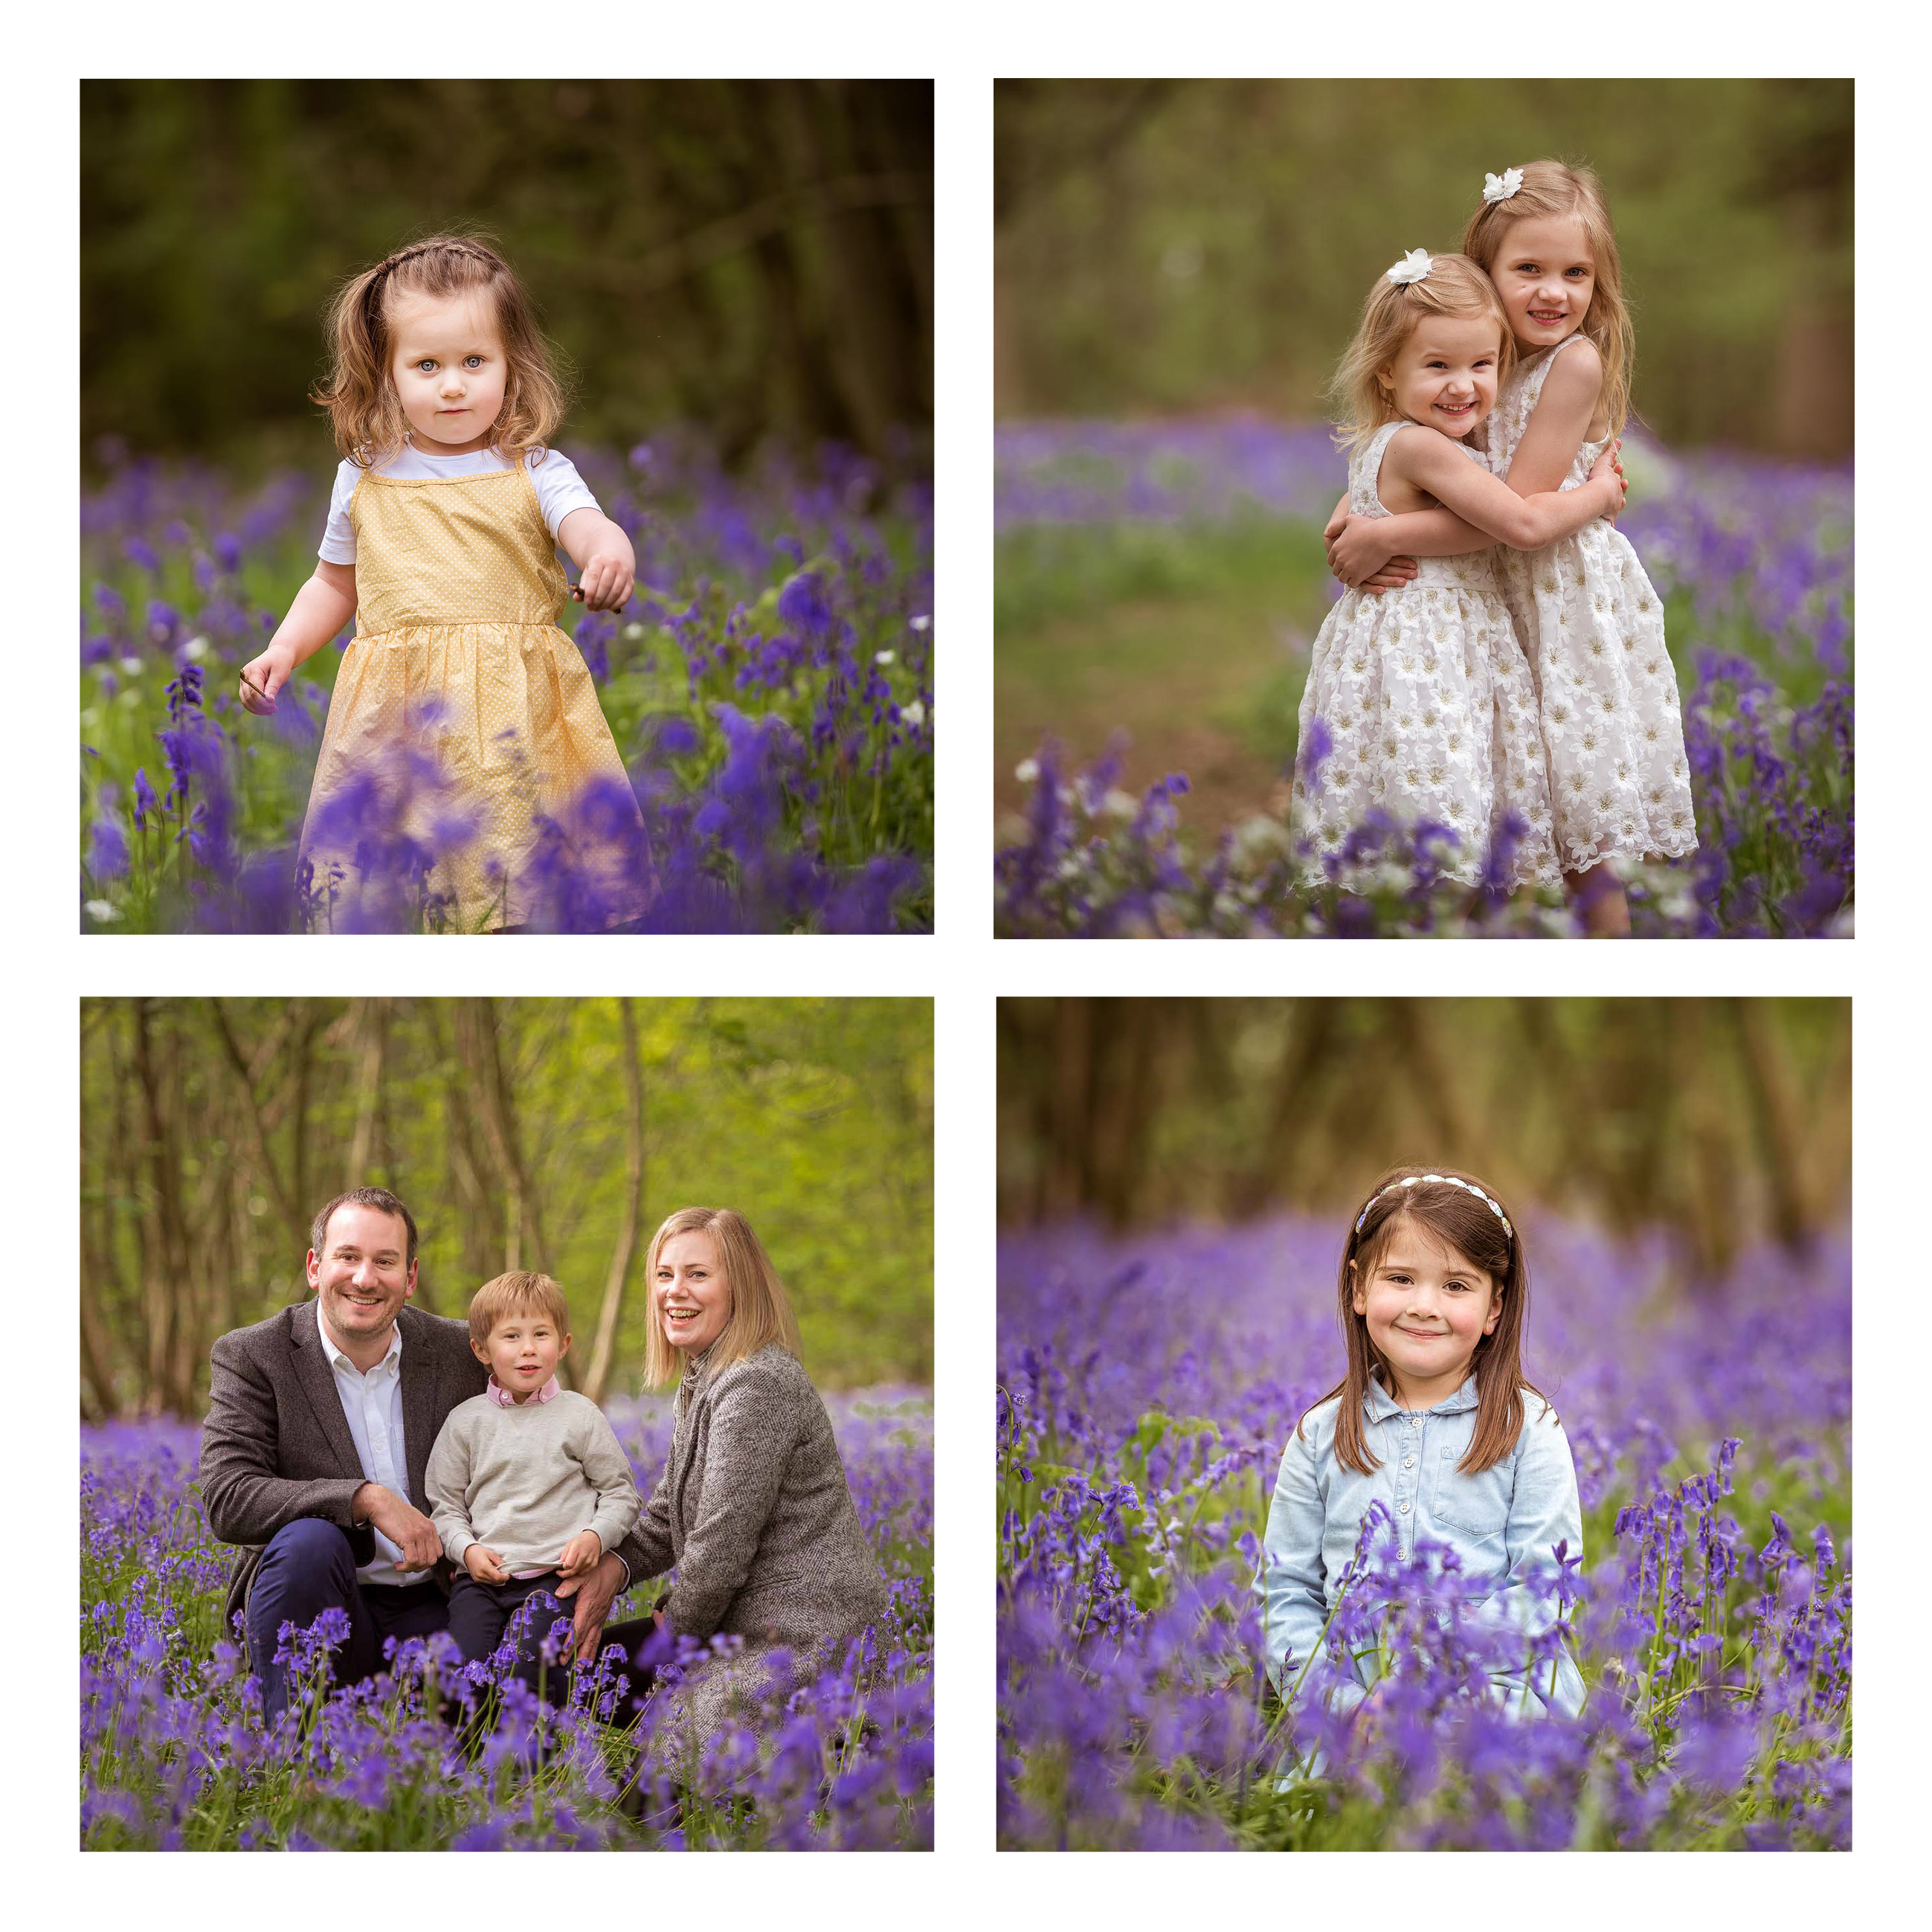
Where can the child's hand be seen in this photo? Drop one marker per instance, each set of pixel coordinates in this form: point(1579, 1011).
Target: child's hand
point(605, 584)
point(1609, 468)
point(262, 677)
point(1337, 523)
point(581, 1555)
point(1361, 554)
point(484, 1564)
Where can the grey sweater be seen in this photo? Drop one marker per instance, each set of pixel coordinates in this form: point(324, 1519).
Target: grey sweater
point(523, 1479)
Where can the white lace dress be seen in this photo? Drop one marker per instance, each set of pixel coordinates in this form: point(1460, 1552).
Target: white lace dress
point(1429, 707)
point(1592, 628)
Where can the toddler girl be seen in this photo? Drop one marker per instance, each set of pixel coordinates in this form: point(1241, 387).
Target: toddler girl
point(1423, 693)
point(1585, 613)
point(1433, 1419)
point(459, 695)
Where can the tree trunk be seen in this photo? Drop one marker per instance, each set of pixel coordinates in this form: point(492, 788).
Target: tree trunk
point(597, 1379)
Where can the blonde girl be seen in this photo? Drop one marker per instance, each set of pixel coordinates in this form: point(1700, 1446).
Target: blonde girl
point(1433, 1418)
point(1419, 703)
point(464, 739)
point(1588, 617)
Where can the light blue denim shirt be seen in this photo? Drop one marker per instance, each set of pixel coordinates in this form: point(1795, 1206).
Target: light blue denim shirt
point(1503, 1522)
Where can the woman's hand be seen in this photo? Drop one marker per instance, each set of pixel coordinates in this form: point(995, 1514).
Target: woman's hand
point(595, 1594)
point(606, 581)
point(484, 1564)
point(581, 1555)
point(1363, 558)
point(262, 676)
point(1609, 470)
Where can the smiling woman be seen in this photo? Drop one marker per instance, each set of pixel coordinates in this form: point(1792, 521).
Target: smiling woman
point(753, 1506)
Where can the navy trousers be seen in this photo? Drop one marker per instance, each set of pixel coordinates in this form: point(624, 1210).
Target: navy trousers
point(306, 1569)
point(480, 1612)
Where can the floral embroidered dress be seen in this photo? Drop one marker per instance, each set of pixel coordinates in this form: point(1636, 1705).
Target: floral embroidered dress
point(1592, 628)
point(1429, 708)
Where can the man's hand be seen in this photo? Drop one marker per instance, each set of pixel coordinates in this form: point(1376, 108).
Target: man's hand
point(484, 1564)
point(606, 581)
point(594, 1594)
point(581, 1555)
point(405, 1526)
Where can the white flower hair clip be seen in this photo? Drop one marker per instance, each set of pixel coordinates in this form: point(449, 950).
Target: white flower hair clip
point(1412, 267)
point(1501, 187)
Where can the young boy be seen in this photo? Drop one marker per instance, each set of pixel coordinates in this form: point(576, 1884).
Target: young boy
point(527, 1484)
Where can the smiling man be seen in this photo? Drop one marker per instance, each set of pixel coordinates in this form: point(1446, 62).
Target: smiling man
point(319, 1426)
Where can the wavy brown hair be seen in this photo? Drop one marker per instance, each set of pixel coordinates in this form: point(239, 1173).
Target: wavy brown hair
point(360, 394)
point(1560, 189)
point(1454, 286)
point(761, 1310)
point(1467, 1228)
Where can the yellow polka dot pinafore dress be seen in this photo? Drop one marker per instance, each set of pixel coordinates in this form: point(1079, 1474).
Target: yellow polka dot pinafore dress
point(459, 689)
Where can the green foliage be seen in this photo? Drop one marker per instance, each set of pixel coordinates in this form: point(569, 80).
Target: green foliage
point(1175, 246)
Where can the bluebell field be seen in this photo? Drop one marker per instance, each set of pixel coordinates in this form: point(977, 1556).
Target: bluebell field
point(175, 1754)
point(1753, 560)
point(1147, 1387)
point(770, 685)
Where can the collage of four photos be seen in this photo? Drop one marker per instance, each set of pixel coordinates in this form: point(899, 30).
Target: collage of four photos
point(515, 1401)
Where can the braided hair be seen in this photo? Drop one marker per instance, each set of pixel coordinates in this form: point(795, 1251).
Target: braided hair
point(360, 393)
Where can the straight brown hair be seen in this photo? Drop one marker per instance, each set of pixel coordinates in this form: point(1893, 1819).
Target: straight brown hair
point(1472, 1229)
point(361, 396)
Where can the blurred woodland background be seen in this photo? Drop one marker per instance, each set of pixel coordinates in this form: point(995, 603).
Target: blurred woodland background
point(1168, 246)
point(522, 1133)
point(1722, 1120)
point(754, 258)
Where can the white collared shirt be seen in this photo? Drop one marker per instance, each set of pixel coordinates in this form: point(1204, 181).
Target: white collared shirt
point(373, 1406)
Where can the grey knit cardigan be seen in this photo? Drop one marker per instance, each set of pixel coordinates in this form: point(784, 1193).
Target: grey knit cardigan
point(754, 1509)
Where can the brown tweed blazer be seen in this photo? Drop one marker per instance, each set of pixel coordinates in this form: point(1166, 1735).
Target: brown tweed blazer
point(276, 1445)
point(754, 1509)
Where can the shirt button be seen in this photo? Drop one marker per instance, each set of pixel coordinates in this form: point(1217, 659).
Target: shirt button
point(1405, 1509)
point(1408, 1463)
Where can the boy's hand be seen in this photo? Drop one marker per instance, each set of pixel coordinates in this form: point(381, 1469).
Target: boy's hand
point(581, 1555)
point(484, 1564)
point(262, 676)
point(606, 581)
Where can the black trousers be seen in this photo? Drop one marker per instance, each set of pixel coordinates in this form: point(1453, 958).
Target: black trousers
point(480, 1612)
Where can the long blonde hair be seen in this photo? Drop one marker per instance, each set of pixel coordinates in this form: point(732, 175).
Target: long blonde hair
point(1559, 189)
point(359, 394)
point(1454, 286)
point(760, 1311)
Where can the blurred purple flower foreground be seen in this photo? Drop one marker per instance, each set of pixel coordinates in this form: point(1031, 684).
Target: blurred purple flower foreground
point(1140, 1426)
point(769, 686)
point(175, 1755)
point(1754, 561)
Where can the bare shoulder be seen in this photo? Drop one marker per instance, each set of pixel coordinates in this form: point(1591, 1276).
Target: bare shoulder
point(1576, 373)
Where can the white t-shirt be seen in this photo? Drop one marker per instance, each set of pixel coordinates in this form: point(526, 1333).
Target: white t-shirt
point(559, 487)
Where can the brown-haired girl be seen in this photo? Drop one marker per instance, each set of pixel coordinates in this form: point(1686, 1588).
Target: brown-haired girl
point(1586, 615)
point(458, 690)
point(1419, 702)
point(1434, 1420)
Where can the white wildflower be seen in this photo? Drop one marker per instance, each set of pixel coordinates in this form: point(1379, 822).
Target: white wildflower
point(103, 912)
point(1027, 770)
point(883, 657)
point(195, 648)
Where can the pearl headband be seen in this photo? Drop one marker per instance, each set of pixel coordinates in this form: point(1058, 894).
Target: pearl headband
point(1446, 1181)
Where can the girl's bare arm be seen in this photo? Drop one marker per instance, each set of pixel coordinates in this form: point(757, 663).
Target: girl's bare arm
point(1557, 427)
point(322, 606)
point(1432, 463)
point(607, 565)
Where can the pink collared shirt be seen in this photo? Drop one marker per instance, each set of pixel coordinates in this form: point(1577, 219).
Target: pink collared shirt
point(503, 1399)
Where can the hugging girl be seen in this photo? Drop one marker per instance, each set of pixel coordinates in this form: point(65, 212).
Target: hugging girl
point(1584, 617)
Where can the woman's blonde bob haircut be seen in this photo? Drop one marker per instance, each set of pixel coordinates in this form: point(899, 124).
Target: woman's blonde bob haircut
point(1454, 286)
point(360, 395)
point(1557, 188)
point(760, 1311)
